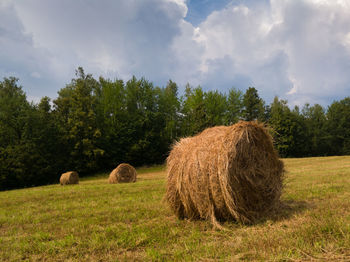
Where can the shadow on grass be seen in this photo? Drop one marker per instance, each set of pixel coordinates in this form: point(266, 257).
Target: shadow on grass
point(101, 175)
point(139, 170)
point(285, 210)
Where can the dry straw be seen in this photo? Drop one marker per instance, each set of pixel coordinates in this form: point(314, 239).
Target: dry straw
point(225, 173)
point(69, 178)
point(124, 173)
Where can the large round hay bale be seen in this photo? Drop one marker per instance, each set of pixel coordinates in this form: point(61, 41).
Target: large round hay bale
point(225, 173)
point(124, 173)
point(69, 178)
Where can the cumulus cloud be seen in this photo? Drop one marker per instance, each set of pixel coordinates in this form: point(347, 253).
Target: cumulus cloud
point(298, 50)
point(315, 43)
point(115, 38)
point(239, 50)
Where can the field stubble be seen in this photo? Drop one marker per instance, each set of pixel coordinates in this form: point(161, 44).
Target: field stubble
point(97, 221)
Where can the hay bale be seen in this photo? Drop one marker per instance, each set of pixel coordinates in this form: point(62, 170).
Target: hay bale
point(224, 173)
point(69, 178)
point(124, 173)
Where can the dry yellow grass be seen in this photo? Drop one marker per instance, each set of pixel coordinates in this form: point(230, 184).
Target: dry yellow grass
point(125, 222)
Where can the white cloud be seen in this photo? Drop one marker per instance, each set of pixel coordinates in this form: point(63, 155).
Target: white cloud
point(299, 50)
point(238, 50)
point(117, 38)
point(182, 5)
point(312, 36)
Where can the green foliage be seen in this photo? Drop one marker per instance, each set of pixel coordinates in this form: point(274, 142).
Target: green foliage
point(138, 121)
point(254, 106)
point(112, 118)
point(169, 107)
point(29, 140)
point(13, 112)
point(315, 121)
point(234, 106)
point(288, 128)
point(94, 125)
point(338, 127)
point(145, 123)
point(193, 111)
point(215, 108)
point(77, 110)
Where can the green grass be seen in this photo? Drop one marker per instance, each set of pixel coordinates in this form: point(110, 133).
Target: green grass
point(96, 221)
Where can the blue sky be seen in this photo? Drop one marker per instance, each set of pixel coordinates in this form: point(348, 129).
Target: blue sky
point(297, 50)
point(198, 10)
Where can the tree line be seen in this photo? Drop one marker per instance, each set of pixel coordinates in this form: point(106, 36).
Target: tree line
point(93, 125)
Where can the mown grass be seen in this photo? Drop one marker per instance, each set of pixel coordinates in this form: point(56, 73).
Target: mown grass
point(96, 221)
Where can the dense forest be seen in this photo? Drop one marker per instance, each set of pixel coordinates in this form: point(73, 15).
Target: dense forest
point(93, 125)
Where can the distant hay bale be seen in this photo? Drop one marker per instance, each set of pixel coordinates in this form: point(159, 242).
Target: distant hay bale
point(225, 173)
point(124, 173)
point(69, 178)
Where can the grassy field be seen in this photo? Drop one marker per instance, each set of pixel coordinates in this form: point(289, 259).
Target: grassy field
point(96, 221)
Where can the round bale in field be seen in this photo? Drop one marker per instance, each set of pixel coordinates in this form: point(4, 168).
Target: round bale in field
point(69, 178)
point(225, 173)
point(124, 173)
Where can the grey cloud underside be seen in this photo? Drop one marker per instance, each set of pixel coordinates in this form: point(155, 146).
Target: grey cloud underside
point(298, 50)
point(20, 58)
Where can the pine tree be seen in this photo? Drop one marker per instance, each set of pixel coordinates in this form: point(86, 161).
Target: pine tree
point(253, 105)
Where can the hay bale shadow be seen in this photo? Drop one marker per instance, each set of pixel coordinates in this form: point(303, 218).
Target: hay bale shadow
point(285, 210)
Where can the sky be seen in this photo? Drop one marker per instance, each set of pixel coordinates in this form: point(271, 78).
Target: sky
point(298, 50)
